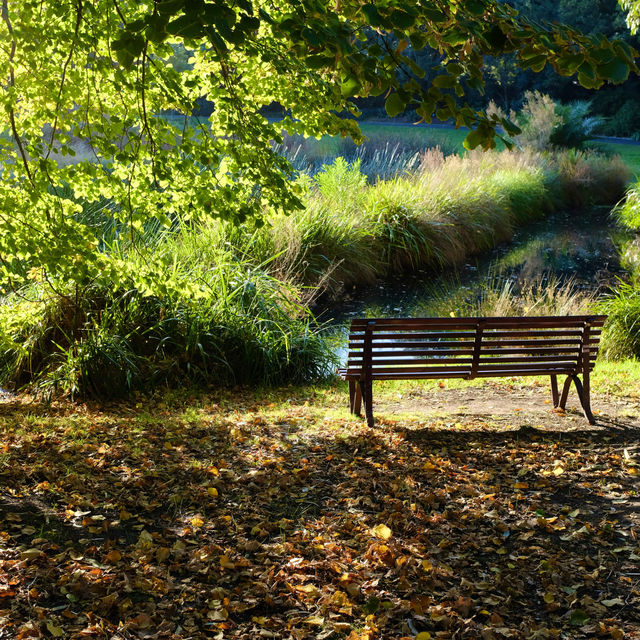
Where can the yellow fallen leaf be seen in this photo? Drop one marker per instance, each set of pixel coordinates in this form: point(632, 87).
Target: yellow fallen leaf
point(426, 565)
point(549, 597)
point(55, 631)
point(197, 521)
point(381, 531)
point(226, 562)
point(558, 471)
point(213, 492)
point(315, 621)
point(309, 589)
point(521, 485)
point(423, 635)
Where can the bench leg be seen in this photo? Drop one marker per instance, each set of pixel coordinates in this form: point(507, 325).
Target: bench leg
point(368, 401)
point(554, 390)
point(565, 392)
point(355, 397)
point(585, 400)
point(583, 394)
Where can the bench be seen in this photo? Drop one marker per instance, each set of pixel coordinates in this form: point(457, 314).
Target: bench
point(423, 348)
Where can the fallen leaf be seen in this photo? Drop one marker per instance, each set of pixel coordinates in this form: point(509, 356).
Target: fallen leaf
point(381, 531)
point(113, 557)
point(54, 630)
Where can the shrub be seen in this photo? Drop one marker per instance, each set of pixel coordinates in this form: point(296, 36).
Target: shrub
point(546, 125)
point(576, 125)
point(628, 213)
point(625, 122)
point(244, 327)
point(621, 337)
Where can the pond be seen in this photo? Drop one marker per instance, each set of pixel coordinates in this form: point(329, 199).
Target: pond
point(575, 251)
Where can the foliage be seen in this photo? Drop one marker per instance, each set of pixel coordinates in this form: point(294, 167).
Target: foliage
point(625, 122)
point(628, 212)
point(538, 120)
point(546, 124)
point(250, 321)
point(576, 125)
point(622, 336)
point(501, 296)
point(101, 75)
point(250, 328)
point(632, 7)
point(276, 515)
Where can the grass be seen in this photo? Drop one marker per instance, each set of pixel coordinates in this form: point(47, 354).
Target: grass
point(354, 230)
point(630, 154)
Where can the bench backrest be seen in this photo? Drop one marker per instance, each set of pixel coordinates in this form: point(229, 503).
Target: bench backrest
point(388, 348)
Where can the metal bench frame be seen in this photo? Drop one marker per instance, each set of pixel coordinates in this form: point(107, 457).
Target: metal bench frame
point(432, 348)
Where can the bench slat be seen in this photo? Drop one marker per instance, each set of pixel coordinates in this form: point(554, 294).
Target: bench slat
point(353, 364)
point(488, 322)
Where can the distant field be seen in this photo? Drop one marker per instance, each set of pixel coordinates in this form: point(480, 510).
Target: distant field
point(630, 153)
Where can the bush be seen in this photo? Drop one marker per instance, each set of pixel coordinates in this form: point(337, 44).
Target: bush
point(576, 125)
point(625, 122)
point(237, 308)
point(621, 337)
point(245, 327)
point(546, 125)
point(628, 213)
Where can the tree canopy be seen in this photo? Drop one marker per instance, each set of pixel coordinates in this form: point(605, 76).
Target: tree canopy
point(99, 111)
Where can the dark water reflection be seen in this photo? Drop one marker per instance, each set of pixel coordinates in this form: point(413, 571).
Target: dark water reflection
point(577, 247)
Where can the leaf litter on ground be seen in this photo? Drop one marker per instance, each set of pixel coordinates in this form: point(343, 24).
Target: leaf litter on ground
point(277, 515)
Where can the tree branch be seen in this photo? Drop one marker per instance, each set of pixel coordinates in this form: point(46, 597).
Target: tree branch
point(64, 74)
point(12, 82)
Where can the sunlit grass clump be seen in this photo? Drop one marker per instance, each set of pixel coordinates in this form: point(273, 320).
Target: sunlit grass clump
point(244, 327)
point(354, 229)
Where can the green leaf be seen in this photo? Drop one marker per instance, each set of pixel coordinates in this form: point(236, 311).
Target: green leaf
point(402, 19)
point(474, 139)
point(455, 37)
point(170, 7)
point(394, 105)
point(476, 7)
point(417, 40)
point(186, 26)
point(568, 65)
point(371, 605)
point(535, 64)
point(578, 618)
point(433, 14)
point(350, 87)
point(444, 81)
point(616, 71)
point(587, 70)
point(495, 37)
point(371, 13)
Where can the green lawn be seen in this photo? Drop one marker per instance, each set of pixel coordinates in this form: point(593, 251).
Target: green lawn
point(628, 152)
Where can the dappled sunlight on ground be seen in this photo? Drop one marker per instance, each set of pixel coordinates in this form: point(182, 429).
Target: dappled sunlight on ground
point(247, 515)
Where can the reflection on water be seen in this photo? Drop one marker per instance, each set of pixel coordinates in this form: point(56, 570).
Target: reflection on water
point(577, 248)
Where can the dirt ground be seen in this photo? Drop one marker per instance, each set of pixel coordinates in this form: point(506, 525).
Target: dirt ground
point(499, 404)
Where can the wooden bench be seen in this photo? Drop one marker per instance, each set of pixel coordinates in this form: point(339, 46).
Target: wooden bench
point(423, 348)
